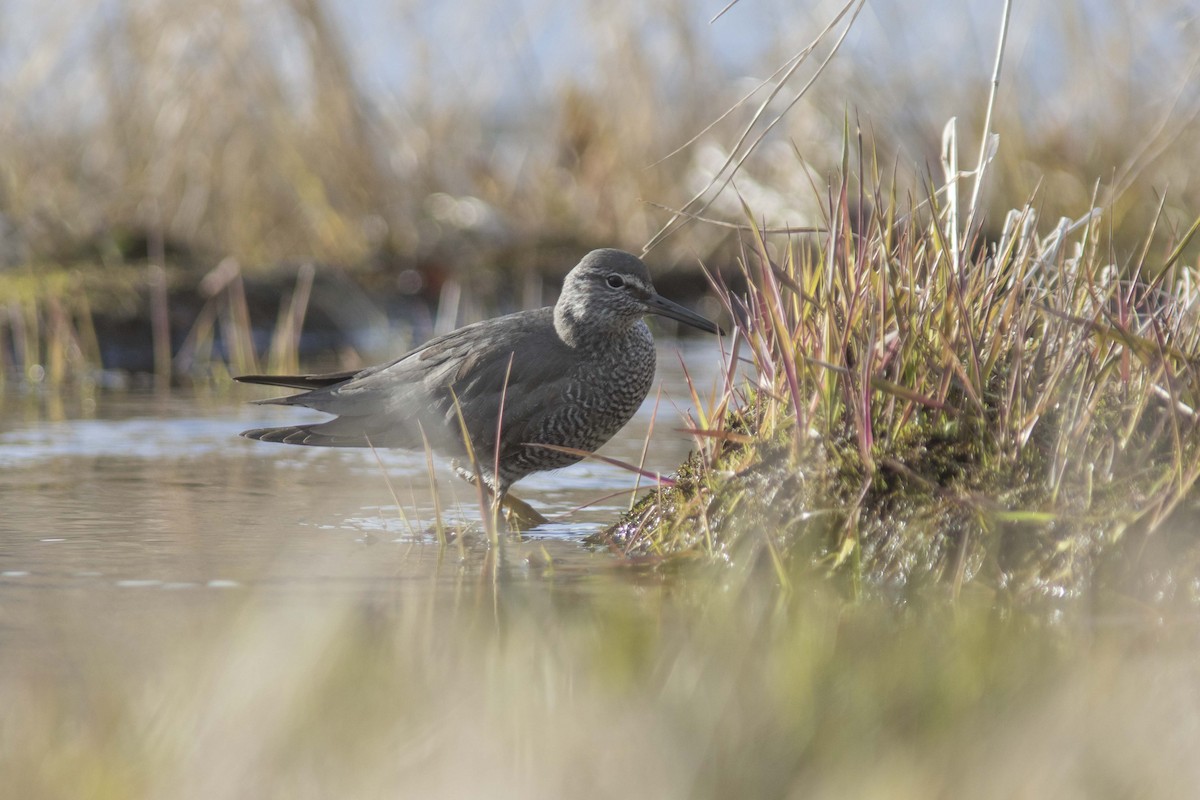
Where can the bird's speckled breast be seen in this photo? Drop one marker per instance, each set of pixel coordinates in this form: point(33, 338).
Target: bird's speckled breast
point(609, 383)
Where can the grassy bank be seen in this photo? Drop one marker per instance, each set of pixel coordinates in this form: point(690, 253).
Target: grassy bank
point(929, 404)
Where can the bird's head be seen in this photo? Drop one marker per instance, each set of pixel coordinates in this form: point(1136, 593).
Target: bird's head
point(609, 291)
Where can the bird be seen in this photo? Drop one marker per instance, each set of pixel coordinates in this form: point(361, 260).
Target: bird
point(568, 375)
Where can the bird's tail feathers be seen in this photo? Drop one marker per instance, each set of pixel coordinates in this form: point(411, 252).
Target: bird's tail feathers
point(298, 381)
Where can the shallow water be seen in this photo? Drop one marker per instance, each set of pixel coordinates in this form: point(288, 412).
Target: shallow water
point(152, 506)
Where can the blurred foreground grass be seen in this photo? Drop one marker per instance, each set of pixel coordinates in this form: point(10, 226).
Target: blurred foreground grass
point(696, 685)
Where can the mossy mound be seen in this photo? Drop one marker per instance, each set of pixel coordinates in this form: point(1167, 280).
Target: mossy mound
point(1025, 422)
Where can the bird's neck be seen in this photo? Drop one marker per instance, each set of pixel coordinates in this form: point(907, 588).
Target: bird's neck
point(576, 333)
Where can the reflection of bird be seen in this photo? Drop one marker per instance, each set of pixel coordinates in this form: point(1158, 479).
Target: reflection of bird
point(570, 376)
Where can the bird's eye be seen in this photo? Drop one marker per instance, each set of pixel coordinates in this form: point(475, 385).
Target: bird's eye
point(615, 281)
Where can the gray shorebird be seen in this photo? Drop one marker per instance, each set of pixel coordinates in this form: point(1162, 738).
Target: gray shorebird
point(570, 375)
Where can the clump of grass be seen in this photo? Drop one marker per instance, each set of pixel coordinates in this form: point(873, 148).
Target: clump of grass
point(930, 405)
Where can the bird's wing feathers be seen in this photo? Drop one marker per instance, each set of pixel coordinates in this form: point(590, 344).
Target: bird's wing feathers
point(392, 404)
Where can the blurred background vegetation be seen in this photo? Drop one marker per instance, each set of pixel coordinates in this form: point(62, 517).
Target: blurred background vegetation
point(381, 137)
point(166, 167)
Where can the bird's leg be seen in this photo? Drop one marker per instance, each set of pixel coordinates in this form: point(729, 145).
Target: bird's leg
point(519, 515)
point(468, 476)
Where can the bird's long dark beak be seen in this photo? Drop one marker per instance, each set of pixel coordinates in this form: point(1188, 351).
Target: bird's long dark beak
point(657, 304)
